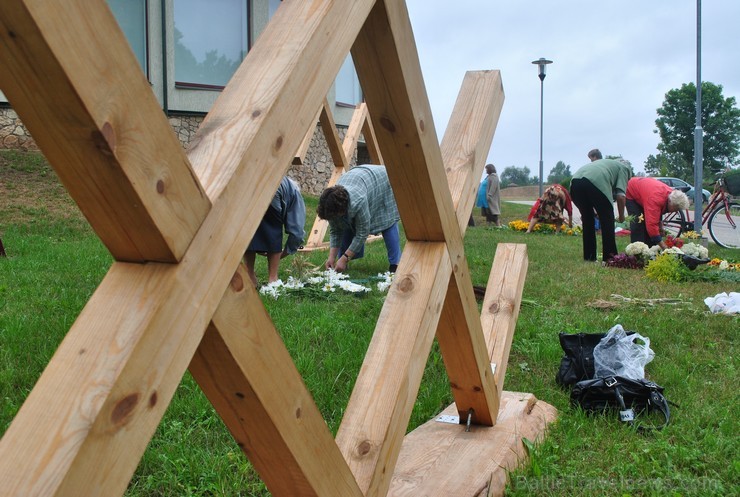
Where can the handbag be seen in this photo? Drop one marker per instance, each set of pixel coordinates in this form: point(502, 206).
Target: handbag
point(630, 397)
point(577, 363)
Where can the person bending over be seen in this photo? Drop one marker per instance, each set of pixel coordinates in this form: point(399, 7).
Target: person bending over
point(359, 205)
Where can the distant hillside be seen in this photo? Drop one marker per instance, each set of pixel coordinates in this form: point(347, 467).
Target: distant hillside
point(520, 193)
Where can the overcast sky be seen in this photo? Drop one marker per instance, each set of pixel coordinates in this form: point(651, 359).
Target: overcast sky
point(613, 62)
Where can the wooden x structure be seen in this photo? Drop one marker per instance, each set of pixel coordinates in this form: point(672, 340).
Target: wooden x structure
point(177, 225)
point(341, 154)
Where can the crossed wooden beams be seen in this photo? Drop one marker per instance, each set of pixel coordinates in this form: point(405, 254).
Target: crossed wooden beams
point(341, 154)
point(177, 226)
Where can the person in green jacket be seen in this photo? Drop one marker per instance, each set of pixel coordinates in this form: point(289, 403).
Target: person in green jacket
point(594, 187)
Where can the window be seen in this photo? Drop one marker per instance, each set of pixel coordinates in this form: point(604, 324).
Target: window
point(210, 41)
point(131, 17)
point(348, 91)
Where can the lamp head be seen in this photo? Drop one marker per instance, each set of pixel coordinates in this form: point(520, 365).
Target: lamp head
point(541, 63)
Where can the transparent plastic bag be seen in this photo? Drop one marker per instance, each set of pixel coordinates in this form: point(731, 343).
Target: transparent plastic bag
point(619, 354)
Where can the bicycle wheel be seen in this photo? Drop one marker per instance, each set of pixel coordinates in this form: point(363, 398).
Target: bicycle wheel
point(724, 225)
point(674, 222)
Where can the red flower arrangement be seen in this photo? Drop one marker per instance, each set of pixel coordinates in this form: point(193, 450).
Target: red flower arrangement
point(672, 241)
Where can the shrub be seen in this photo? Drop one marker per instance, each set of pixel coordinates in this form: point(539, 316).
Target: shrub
point(667, 268)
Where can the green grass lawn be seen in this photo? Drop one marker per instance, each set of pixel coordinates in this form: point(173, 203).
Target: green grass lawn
point(55, 262)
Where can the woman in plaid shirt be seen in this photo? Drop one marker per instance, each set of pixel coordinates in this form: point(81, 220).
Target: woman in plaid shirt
point(359, 205)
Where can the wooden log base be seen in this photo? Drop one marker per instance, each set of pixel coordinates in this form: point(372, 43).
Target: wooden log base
point(442, 459)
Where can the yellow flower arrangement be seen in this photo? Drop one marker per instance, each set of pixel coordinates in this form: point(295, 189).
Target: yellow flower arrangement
point(724, 265)
point(519, 225)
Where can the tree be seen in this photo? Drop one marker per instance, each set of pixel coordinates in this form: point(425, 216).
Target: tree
point(515, 175)
point(658, 165)
point(720, 123)
point(558, 173)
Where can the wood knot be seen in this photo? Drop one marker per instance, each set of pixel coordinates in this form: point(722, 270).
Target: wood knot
point(239, 394)
point(298, 413)
point(257, 113)
point(364, 448)
point(123, 408)
point(388, 124)
point(406, 285)
point(421, 124)
point(153, 399)
point(494, 308)
point(278, 142)
point(160, 186)
point(237, 282)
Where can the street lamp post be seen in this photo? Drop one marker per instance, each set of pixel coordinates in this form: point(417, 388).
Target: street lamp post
point(698, 131)
point(541, 63)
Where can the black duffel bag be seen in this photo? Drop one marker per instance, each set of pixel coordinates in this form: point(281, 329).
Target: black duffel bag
point(630, 397)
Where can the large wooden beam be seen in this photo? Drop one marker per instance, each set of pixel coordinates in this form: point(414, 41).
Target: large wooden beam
point(248, 375)
point(388, 68)
point(468, 137)
point(378, 412)
point(460, 336)
point(336, 149)
point(375, 419)
point(120, 162)
point(371, 141)
point(501, 304)
point(105, 390)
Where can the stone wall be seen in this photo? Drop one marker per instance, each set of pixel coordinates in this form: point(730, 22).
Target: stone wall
point(313, 174)
point(13, 135)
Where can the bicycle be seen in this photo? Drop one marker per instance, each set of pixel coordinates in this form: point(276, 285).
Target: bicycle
point(721, 216)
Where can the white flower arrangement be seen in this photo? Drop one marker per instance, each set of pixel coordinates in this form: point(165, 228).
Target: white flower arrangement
point(641, 250)
point(638, 249)
point(695, 250)
point(724, 265)
point(654, 251)
point(273, 289)
point(385, 281)
point(328, 281)
point(673, 250)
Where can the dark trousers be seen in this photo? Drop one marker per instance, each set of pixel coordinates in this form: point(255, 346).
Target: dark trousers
point(589, 198)
point(638, 231)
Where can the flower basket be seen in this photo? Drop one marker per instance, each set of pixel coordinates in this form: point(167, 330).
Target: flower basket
point(732, 183)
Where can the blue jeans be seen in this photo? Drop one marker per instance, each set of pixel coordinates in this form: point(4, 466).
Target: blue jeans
point(391, 238)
